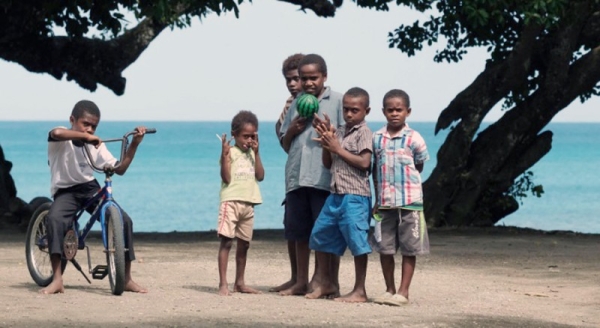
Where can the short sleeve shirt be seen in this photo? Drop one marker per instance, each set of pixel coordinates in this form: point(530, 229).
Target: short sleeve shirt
point(68, 164)
point(279, 122)
point(398, 183)
point(243, 185)
point(304, 166)
point(345, 178)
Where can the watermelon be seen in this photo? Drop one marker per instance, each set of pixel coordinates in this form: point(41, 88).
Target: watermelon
point(307, 105)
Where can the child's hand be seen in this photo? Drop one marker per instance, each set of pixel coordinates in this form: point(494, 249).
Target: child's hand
point(375, 213)
point(226, 147)
point(326, 122)
point(93, 139)
point(298, 125)
point(330, 142)
point(141, 131)
point(375, 209)
point(254, 143)
point(321, 130)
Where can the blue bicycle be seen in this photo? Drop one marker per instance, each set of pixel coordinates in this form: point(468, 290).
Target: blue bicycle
point(106, 211)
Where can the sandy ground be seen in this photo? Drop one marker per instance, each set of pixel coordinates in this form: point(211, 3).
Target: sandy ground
point(499, 277)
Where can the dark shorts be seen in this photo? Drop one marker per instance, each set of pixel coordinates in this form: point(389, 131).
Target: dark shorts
point(66, 203)
point(302, 207)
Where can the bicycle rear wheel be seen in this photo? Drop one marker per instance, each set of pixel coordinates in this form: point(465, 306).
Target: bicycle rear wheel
point(115, 252)
point(36, 248)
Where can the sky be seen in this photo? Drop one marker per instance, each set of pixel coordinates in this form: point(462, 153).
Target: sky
point(220, 65)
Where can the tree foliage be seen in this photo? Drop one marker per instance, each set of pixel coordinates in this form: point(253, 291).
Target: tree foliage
point(543, 55)
point(101, 38)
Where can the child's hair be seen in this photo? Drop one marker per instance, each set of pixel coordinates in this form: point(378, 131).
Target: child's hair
point(314, 59)
point(85, 106)
point(359, 92)
point(291, 63)
point(397, 93)
point(242, 118)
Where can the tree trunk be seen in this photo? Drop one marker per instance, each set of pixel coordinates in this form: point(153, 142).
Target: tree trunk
point(7, 184)
point(470, 184)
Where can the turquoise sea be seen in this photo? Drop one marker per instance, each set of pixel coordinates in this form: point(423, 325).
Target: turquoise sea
point(173, 183)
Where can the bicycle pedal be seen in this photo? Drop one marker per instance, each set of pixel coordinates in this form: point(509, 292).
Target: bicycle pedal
point(99, 272)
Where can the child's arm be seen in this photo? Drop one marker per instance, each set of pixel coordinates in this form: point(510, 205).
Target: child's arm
point(225, 164)
point(131, 150)
point(361, 161)
point(259, 170)
point(297, 125)
point(420, 167)
point(326, 158)
point(62, 134)
point(375, 176)
point(323, 128)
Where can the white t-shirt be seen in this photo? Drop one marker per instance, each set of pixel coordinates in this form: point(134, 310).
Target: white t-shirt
point(69, 166)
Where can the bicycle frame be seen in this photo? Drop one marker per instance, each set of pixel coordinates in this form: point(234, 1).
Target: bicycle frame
point(100, 206)
point(103, 198)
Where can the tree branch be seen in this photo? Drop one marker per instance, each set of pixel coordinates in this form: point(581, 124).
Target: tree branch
point(493, 84)
point(87, 61)
point(93, 61)
point(322, 8)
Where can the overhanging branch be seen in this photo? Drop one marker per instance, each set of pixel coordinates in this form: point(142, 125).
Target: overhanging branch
point(87, 61)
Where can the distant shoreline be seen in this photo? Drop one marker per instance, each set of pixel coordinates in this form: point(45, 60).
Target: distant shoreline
point(278, 233)
point(12, 235)
point(262, 121)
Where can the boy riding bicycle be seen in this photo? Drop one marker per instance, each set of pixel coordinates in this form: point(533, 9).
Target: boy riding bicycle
point(73, 184)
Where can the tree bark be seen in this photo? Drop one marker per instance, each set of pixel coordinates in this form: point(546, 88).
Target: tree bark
point(470, 184)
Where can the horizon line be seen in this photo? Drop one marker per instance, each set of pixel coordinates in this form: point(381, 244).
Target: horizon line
point(228, 121)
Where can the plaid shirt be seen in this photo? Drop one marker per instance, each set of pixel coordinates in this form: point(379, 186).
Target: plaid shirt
point(396, 179)
point(345, 178)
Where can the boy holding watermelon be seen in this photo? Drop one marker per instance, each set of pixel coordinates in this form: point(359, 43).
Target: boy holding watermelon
point(344, 220)
point(306, 179)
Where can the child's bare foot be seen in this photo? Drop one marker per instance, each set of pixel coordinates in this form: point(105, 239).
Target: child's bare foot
point(296, 289)
point(55, 287)
point(283, 286)
point(132, 286)
point(312, 285)
point(334, 295)
point(224, 290)
point(352, 297)
point(245, 289)
point(321, 291)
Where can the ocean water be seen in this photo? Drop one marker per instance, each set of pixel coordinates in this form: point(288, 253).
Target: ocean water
point(173, 183)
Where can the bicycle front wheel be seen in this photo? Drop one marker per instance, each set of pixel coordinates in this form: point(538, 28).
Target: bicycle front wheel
point(37, 248)
point(115, 252)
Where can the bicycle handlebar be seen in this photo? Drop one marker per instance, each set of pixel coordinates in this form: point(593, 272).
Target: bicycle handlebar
point(124, 143)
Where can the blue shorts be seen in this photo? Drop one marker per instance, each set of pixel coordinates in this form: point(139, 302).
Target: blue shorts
point(302, 207)
point(343, 222)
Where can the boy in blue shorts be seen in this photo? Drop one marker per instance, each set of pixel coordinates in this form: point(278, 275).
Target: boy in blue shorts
point(241, 169)
point(399, 156)
point(344, 219)
point(306, 179)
